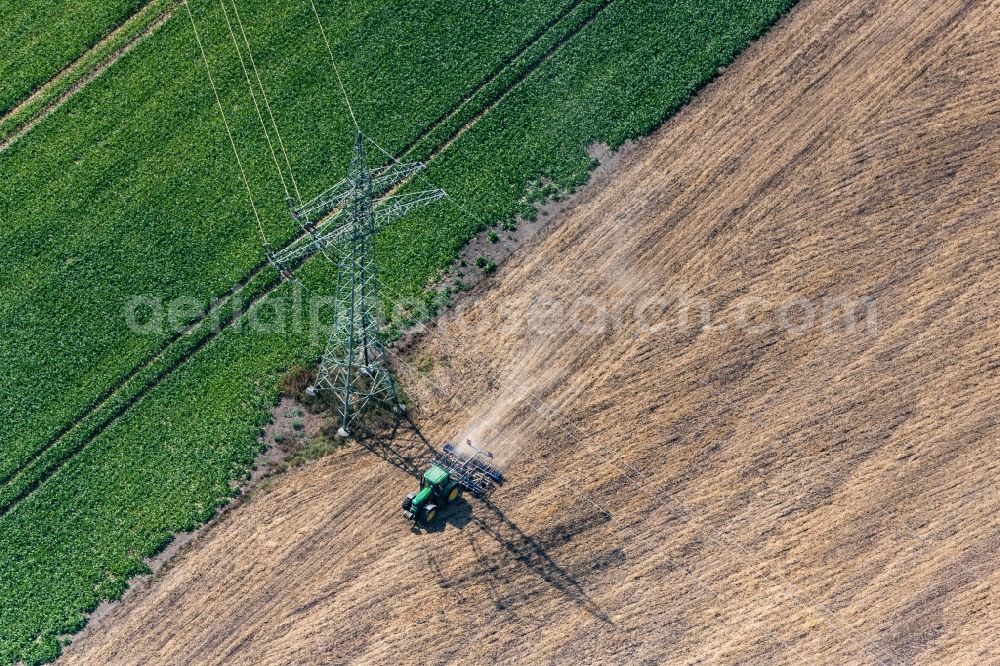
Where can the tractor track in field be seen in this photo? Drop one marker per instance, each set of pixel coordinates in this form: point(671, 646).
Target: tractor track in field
point(491, 77)
point(51, 82)
point(112, 418)
point(138, 17)
point(114, 390)
point(528, 71)
point(9, 504)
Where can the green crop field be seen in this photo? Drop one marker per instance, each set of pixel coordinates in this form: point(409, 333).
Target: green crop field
point(37, 39)
point(174, 224)
point(116, 440)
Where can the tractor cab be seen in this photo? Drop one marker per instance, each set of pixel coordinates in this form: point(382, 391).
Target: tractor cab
point(437, 490)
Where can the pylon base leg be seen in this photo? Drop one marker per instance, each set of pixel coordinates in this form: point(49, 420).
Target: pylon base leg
point(341, 432)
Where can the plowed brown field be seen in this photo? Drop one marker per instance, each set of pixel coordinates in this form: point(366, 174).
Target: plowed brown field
point(775, 488)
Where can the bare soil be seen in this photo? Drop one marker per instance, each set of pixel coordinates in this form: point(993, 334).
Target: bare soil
point(773, 487)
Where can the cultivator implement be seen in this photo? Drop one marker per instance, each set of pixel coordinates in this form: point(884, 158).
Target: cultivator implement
point(472, 469)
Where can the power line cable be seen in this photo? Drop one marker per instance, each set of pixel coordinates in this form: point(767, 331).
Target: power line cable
point(267, 103)
point(253, 96)
point(229, 132)
point(336, 70)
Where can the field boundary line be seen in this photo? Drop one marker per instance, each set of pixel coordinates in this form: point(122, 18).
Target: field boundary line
point(78, 74)
point(33, 94)
point(491, 77)
point(116, 390)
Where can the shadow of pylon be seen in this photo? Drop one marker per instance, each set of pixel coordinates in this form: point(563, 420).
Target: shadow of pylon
point(532, 554)
point(397, 440)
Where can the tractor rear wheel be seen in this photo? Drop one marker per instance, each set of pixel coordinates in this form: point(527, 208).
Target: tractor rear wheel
point(455, 493)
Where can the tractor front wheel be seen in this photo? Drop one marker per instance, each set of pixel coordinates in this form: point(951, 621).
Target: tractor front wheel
point(408, 502)
point(429, 512)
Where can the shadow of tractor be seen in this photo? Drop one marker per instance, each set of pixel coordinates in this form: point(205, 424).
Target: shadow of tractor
point(399, 442)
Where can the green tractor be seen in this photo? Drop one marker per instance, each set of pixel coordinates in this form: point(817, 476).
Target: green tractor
point(454, 469)
point(437, 490)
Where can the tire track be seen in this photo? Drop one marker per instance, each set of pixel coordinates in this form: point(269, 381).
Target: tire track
point(493, 101)
point(22, 128)
point(39, 91)
point(491, 77)
point(13, 493)
point(11, 498)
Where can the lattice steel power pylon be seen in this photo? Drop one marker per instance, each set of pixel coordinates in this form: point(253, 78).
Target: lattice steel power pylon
point(341, 223)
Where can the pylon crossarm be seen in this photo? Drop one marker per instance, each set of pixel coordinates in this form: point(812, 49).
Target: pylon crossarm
point(324, 202)
point(318, 240)
point(338, 195)
point(395, 207)
point(386, 177)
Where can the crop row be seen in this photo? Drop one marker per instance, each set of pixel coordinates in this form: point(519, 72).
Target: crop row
point(170, 460)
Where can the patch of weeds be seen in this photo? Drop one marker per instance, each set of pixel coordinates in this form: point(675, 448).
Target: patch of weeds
point(487, 266)
point(493, 236)
point(295, 380)
point(314, 450)
point(424, 363)
point(265, 485)
point(391, 333)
